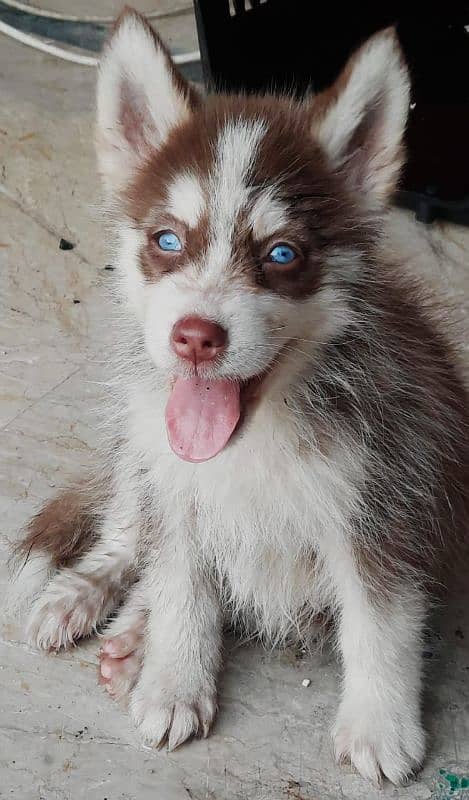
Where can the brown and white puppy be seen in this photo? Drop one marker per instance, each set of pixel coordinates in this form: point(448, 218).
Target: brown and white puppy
point(289, 426)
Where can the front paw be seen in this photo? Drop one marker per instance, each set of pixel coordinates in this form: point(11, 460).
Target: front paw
point(379, 739)
point(69, 608)
point(120, 660)
point(171, 715)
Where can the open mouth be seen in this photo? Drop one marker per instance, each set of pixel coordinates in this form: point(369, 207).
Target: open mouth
point(202, 415)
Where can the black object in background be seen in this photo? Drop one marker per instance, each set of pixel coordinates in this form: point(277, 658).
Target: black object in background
point(256, 45)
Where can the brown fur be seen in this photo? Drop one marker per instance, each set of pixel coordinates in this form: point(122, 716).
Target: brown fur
point(321, 212)
point(65, 528)
point(414, 534)
point(154, 262)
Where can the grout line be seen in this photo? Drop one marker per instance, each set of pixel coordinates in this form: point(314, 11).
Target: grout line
point(38, 219)
point(38, 399)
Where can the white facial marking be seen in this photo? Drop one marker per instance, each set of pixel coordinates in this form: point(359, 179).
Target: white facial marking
point(268, 215)
point(237, 147)
point(186, 199)
point(209, 289)
point(130, 277)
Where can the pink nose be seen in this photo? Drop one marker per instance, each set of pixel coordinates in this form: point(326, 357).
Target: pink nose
point(196, 339)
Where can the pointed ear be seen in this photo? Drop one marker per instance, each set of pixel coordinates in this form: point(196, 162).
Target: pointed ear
point(141, 97)
point(360, 120)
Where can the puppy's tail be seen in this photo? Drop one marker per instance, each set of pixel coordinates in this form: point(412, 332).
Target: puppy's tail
point(65, 527)
point(57, 536)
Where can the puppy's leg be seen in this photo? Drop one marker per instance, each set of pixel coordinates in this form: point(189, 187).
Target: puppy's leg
point(175, 695)
point(121, 655)
point(77, 599)
point(378, 725)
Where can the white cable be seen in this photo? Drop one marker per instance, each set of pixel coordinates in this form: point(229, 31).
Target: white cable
point(44, 12)
point(70, 55)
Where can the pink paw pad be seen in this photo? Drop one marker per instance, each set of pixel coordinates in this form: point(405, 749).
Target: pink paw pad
point(119, 663)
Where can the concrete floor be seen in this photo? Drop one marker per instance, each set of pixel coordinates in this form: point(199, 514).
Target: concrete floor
point(60, 736)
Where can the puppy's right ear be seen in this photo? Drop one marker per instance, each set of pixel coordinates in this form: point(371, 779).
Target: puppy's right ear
point(141, 97)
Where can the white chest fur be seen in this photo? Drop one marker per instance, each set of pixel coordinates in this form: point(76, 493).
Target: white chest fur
point(259, 513)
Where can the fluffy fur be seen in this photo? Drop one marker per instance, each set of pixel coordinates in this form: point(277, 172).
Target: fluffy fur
point(346, 480)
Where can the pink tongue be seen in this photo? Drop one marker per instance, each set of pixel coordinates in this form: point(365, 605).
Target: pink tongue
point(201, 416)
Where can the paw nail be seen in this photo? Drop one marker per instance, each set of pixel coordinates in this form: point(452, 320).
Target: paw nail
point(106, 670)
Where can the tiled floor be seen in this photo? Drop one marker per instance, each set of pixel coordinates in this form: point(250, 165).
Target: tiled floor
point(60, 737)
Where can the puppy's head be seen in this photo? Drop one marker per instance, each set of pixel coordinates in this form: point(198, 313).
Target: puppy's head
point(240, 218)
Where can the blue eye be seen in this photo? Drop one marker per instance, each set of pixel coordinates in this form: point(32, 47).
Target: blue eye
point(282, 254)
point(169, 242)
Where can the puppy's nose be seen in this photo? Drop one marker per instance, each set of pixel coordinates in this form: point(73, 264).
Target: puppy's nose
point(196, 339)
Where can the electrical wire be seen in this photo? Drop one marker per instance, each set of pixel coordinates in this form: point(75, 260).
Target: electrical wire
point(71, 55)
point(43, 12)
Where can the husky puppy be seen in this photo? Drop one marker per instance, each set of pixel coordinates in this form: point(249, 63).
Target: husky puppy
point(290, 430)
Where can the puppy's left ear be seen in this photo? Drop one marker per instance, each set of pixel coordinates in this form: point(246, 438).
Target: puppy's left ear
point(141, 98)
point(360, 121)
